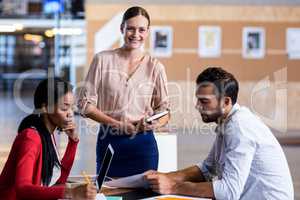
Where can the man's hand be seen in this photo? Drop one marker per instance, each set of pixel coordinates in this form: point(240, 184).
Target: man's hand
point(161, 183)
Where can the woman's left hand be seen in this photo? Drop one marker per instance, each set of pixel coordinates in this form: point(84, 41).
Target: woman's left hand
point(142, 125)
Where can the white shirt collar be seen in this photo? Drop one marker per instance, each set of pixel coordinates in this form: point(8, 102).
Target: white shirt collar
point(233, 110)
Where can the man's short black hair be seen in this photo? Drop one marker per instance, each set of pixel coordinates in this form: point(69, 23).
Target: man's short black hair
point(224, 82)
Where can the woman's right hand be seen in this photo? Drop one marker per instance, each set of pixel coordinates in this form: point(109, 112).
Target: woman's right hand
point(126, 127)
point(83, 192)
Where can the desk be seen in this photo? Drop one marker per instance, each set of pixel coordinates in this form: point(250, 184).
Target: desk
point(130, 194)
point(127, 194)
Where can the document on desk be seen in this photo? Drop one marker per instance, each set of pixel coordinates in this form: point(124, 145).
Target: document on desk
point(174, 197)
point(135, 181)
point(100, 196)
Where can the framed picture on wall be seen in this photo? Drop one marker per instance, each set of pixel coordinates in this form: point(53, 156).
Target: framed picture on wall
point(253, 42)
point(293, 43)
point(209, 41)
point(161, 41)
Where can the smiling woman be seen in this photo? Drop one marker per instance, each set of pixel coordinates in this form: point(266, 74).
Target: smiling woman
point(123, 87)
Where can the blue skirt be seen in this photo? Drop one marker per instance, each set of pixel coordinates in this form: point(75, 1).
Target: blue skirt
point(133, 154)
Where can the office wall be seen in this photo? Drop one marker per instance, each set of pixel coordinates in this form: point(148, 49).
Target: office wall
point(184, 65)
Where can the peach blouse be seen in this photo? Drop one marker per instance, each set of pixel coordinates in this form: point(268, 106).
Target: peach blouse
point(123, 97)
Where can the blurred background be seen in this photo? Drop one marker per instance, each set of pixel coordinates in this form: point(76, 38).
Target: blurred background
point(258, 41)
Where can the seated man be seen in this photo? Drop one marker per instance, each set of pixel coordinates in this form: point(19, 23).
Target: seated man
point(245, 162)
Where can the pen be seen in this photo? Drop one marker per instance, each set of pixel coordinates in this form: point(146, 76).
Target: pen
point(86, 177)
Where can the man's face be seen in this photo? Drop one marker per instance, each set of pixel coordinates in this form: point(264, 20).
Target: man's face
point(208, 104)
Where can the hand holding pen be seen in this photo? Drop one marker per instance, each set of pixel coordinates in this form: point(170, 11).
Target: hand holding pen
point(86, 191)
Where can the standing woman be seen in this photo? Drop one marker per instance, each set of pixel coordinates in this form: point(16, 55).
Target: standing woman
point(34, 170)
point(123, 86)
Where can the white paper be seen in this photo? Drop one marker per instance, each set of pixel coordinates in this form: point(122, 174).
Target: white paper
point(100, 196)
point(175, 196)
point(135, 181)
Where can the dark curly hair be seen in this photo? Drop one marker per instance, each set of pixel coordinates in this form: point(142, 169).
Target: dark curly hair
point(224, 82)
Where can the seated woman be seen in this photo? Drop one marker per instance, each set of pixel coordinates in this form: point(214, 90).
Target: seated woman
point(33, 169)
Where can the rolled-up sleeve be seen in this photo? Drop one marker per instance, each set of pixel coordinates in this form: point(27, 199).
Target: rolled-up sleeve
point(88, 93)
point(160, 99)
point(239, 154)
point(206, 167)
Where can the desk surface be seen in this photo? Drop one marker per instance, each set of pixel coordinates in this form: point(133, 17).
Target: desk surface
point(134, 194)
point(125, 193)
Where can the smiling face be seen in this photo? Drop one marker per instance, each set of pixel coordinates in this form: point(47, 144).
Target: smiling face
point(63, 111)
point(135, 31)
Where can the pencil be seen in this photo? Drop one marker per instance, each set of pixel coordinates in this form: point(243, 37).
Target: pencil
point(86, 177)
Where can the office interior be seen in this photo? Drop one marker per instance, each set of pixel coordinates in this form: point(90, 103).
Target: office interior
point(34, 42)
